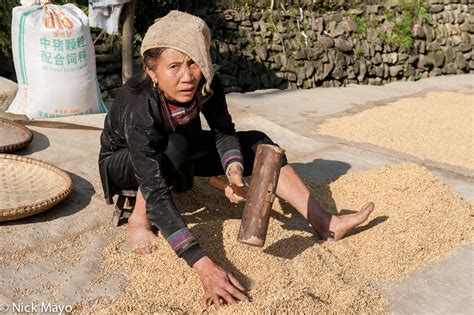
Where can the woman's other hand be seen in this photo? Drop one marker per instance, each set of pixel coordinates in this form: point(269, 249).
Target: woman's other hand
point(218, 284)
point(236, 178)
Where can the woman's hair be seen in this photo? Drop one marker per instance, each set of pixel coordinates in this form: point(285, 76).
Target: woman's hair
point(151, 56)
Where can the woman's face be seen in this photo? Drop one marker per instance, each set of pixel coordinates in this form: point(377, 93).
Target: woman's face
point(177, 75)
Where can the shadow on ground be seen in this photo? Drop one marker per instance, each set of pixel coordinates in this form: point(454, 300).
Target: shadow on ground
point(320, 170)
point(39, 143)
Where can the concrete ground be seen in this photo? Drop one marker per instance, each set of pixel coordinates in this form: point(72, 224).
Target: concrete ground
point(31, 273)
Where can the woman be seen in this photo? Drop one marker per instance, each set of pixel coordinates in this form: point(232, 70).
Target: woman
point(153, 140)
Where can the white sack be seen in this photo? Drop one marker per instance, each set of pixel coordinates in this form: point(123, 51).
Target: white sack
point(54, 62)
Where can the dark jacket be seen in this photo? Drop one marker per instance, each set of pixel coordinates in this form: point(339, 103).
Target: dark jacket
point(137, 122)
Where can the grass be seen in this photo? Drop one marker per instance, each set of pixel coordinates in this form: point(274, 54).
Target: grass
point(411, 12)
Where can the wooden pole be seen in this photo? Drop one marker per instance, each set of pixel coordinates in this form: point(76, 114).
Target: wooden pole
point(260, 196)
point(127, 41)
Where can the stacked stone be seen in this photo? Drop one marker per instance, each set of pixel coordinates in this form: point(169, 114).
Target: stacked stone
point(255, 48)
point(301, 49)
point(446, 47)
point(109, 69)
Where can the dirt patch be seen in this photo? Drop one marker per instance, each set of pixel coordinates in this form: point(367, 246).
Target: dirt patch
point(417, 219)
point(437, 127)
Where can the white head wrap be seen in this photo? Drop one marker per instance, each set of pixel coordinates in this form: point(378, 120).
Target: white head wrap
point(186, 33)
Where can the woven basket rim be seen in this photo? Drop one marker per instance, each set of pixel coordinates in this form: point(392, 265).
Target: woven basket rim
point(28, 136)
point(7, 214)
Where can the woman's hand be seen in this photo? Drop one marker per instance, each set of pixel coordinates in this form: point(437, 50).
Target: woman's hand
point(218, 284)
point(235, 179)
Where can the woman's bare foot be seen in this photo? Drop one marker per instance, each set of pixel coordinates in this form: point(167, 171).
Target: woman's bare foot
point(341, 225)
point(141, 239)
point(292, 189)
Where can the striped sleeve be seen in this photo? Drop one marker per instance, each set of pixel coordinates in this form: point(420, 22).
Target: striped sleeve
point(230, 157)
point(185, 245)
point(181, 240)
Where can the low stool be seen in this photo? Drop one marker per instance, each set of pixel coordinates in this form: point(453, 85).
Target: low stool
point(124, 205)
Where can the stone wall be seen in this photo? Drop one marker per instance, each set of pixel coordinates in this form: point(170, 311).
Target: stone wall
point(293, 48)
point(109, 67)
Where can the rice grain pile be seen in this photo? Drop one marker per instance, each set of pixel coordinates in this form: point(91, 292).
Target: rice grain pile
point(437, 127)
point(417, 219)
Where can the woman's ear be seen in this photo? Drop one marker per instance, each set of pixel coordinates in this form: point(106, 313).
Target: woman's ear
point(151, 73)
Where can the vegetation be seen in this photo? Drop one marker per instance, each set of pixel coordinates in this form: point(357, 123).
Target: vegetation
point(5, 26)
point(411, 12)
point(361, 24)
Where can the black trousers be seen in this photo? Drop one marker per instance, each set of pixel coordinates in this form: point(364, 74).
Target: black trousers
point(182, 161)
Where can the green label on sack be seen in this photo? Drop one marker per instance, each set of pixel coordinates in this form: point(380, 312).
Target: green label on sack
point(21, 45)
point(63, 55)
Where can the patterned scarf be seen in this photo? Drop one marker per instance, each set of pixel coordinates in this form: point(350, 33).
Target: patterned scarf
point(183, 113)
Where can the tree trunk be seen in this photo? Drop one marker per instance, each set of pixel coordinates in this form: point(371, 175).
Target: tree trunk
point(127, 41)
